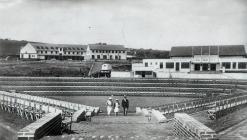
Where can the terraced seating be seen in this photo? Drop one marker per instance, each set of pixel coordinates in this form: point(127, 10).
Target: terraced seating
point(188, 127)
point(47, 113)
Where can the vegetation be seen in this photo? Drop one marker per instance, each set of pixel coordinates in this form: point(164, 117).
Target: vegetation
point(148, 53)
point(10, 47)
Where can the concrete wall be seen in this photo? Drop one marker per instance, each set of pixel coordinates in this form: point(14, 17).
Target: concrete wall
point(187, 126)
point(49, 124)
point(121, 74)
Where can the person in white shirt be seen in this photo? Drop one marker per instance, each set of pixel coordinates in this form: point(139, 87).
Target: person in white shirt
point(109, 105)
point(116, 107)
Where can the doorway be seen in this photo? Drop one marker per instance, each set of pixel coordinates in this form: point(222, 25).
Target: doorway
point(197, 67)
point(177, 66)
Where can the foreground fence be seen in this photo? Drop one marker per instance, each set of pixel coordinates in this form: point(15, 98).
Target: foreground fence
point(47, 114)
point(226, 106)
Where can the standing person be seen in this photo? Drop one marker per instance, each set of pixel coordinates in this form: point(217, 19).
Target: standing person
point(149, 114)
point(116, 107)
point(125, 105)
point(109, 105)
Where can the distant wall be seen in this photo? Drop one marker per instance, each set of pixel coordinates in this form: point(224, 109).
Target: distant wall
point(123, 74)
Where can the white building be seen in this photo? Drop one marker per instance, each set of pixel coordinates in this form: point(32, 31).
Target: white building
point(105, 51)
point(44, 51)
point(195, 59)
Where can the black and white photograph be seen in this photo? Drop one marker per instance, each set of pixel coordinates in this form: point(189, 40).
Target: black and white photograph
point(123, 69)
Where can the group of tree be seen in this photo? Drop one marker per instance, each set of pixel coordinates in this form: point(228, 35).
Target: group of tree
point(149, 53)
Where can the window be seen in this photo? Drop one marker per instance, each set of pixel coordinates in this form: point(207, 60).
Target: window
point(68, 52)
point(104, 57)
point(227, 65)
point(41, 51)
point(169, 65)
point(56, 48)
point(52, 48)
point(98, 56)
point(123, 51)
point(161, 65)
point(92, 51)
point(92, 56)
point(61, 49)
point(119, 57)
point(151, 63)
point(146, 64)
point(185, 65)
point(112, 51)
point(38, 47)
point(73, 52)
point(78, 52)
point(46, 48)
point(234, 65)
point(116, 57)
point(45, 51)
point(116, 52)
point(56, 52)
point(241, 65)
point(96, 51)
point(51, 52)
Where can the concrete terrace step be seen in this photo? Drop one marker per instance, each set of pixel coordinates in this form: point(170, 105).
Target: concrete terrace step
point(76, 79)
point(110, 88)
point(115, 93)
point(119, 84)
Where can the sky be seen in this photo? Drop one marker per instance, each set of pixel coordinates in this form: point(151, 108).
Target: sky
point(155, 24)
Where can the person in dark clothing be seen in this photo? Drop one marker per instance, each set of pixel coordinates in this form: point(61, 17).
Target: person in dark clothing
point(125, 105)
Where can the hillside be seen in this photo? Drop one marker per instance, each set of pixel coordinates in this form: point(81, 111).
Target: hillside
point(148, 53)
point(10, 47)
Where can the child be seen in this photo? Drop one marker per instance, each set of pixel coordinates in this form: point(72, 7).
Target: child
point(116, 107)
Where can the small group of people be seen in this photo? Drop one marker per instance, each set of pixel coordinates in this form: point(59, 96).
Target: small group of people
point(115, 106)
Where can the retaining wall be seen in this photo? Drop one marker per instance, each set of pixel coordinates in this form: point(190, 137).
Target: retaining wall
point(187, 126)
point(49, 124)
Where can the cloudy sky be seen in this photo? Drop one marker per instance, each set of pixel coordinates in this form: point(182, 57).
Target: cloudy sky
point(156, 24)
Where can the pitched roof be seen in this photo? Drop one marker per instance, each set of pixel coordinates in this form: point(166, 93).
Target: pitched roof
point(222, 50)
point(66, 47)
point(104, 46)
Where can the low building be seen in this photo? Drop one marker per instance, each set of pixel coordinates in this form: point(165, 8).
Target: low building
point(103, 51)
point(46, 51)
point(195, 59)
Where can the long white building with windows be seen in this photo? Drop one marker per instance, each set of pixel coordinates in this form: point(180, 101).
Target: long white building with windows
point(195, 59)
point(46, 51)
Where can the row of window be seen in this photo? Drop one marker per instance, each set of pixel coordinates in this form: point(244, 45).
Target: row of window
point(186, 65)
point(56, 48)
point(56, 52)
point(241, 65)
point(170, 65)
point(105, 57)
point(101, 51)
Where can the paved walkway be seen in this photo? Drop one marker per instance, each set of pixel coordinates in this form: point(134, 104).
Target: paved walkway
point(121, 127)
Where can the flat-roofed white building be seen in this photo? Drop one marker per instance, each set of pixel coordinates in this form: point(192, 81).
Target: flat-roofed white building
point(195, 59)
point(44, 51)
